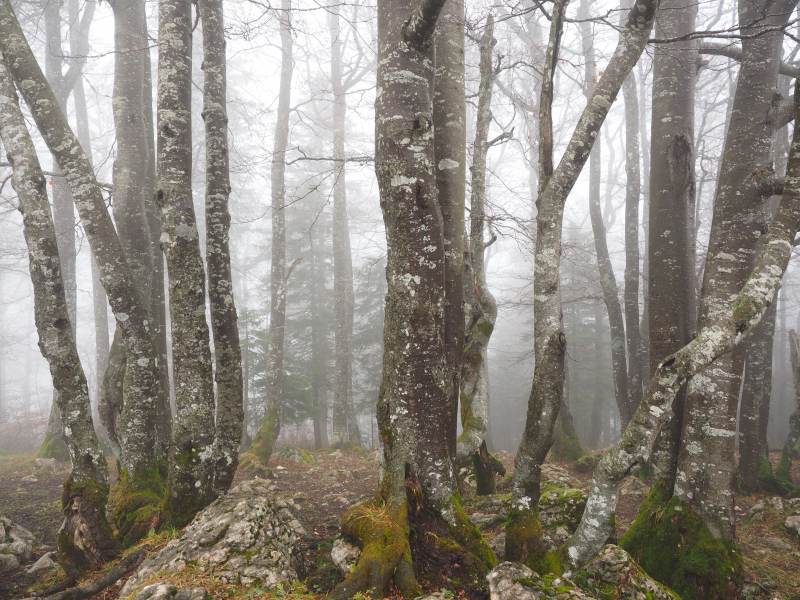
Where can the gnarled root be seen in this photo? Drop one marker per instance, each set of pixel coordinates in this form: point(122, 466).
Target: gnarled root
point(85, 539)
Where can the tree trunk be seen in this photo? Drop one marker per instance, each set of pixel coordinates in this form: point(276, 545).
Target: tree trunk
point(115, 273)
point(261, 449)
point(713, 341)
point(318, 353)
point(596, 432)
point(86, 538)
point(671, 280)
point(523, 541)
point(705, 480)
point(191, 461)
point(418, 486)
point(794, 420)
point(224, 323)
point(480, 306)
point(342, 259)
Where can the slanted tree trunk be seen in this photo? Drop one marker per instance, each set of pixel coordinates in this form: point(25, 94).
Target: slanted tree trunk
point(705, 480)
point(713, 341)
point(595, 434)
point(224, 323)
point(415, 405)
point(523, 532)
point(86, 538)
point(138, 438)
point(671, 281)
point(191, 461)
point(261, 449)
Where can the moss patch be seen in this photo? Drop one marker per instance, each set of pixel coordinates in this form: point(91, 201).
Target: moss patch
point(772, 482)
point(673, 545)
point(139, 506)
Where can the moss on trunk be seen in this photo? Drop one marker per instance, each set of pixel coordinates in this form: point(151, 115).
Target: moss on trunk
point(139, 506)
point(53, 446)
point(674, 547)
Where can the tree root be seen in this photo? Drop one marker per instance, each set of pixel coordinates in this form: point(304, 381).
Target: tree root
point(126, 565)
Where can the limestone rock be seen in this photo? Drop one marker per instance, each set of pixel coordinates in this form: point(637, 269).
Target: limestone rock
point(166, 591)
point(245, 537)
point(754, 514)
point(561, 507)
point(297, 455)
point(374, 456)
point(776, 503)
point(486, 520)
point(793, 505)
point(555, 474)
point(633, 486)
point(48, 464)
point(778, 544)
point(29, 479)
point(498, 545)
point(16, 542)
point(434, 596)
point(613, 566)
point(45, 563)
point(512, 581)
point(344, 555)
point(792, 525)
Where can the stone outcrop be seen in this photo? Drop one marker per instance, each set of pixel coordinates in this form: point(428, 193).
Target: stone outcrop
point(613, 573)
point(16, 545)
point(512, 581)
point(246, 537)
point(166, 591)
point(344, 555)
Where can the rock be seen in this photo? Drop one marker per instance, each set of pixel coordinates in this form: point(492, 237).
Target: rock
point(337, 454)
point(300, 497)
point(778, 544)
point(793, 505)
point(297, 455)
point(434, 596)
point(374, 456)
point(45, 563)
point(246, 538)
point(613, 566)
point(485, 521)
point(586, 463)
point(8, 562)
point(561, 507)
point(754, 514)
point(493, 504)
point(15, 542)
point(48, 464)
point(166, 591)
point(560, 536)
point(777, 504)
point(498, 545)
point(512, 581)
point(555, 474)
point(633, 486)
point(792, 526)
point(30, 479)
point(344, 555)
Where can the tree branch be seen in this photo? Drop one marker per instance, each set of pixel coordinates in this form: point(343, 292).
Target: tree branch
point(735, 52)
point(418, 30)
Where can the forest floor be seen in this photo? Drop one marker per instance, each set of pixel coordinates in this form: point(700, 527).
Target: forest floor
point(324, 491)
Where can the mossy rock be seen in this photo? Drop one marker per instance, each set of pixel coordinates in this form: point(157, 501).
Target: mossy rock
point(772, 482)
point(586, 463)
point(674, 546)
point(561, 507)
point(297, 455)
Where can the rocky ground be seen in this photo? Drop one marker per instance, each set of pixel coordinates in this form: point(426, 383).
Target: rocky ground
point(316, 488)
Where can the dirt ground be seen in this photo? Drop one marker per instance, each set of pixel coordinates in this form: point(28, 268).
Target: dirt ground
point(324, 491)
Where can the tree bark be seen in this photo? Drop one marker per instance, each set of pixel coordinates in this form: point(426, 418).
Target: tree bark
point(714, 341)
point(794, 420)
point(85, 539)
point(318, 352)
point(705, 479)
point(523, 532)
point(262, 446)
point(480, 310)
point(115, 273)
point(224, 322)
point(418, 484)
point(191, 461)
point(671, 280)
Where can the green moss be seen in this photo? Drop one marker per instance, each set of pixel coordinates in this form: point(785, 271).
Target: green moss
point(566, 445)
point(138, 509)
point(53, 446)
point(783, 472)
point(674, 547)
point(586, 463)
point(485, 328)
point(771, 482)
point(523, 536)
point(93, 497)
point(745, 309)
point(469, 536)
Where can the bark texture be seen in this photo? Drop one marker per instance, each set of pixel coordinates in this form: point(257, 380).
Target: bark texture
point(794, 421)
point(704, 477)
point(85, 539)
point(191, 462)
point(524, 531)
point(224, 324)
point(712, 343)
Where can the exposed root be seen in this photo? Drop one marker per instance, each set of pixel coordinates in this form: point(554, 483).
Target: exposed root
point(126, 565)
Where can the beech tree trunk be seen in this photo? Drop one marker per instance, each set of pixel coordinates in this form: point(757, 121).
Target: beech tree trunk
point(191, 461)
point(705, 478)
point(480, 310)
point(262, 446)
point(415, 405)
point(794, 419)
point(671, 307)
point(115, 273)
point(86, 538)
point(523, 532)
point(713, 342)
point(224, 322)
